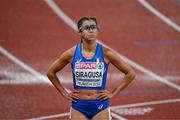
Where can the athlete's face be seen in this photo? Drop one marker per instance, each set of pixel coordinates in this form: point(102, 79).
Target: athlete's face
point(89, 30)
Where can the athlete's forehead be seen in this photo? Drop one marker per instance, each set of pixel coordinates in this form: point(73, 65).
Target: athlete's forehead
point(89, 22)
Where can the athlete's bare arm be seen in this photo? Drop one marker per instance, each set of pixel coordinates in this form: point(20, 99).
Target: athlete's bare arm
point(58, 65)
point(112, 56)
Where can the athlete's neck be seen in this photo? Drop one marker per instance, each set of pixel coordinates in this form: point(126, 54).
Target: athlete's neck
point(89, 46)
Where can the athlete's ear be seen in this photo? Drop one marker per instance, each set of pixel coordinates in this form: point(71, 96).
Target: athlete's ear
point(79, 33)
point(79, 30)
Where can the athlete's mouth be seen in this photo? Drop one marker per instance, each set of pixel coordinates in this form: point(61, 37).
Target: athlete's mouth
point(92, 35)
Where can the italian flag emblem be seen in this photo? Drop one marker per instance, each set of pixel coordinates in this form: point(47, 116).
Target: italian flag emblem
point(98, 60)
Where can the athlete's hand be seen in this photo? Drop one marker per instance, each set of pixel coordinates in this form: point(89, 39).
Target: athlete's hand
point(73, 96)
point(104, 95)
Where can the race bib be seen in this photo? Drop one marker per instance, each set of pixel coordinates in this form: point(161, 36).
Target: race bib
point(89, 74)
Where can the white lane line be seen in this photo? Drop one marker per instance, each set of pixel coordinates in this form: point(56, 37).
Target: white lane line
point(114, 107)
point(23, 65)
point(145, 77)
point(72, 24)
point(159, 15)
point(61, 14)
point(26, 67)
point(117, 116)
point(146, 103)
point(150, 73)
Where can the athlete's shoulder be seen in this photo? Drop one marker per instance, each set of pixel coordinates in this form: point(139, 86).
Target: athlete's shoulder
point(110, 53)
point(69, 53)
point(106, 49)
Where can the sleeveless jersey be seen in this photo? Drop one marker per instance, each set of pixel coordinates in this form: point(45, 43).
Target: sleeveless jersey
point(89, 73)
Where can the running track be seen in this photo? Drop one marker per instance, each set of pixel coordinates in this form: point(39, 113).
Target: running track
point(33, 33)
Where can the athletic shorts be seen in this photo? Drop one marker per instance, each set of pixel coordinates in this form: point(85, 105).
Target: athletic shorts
point(90, 107)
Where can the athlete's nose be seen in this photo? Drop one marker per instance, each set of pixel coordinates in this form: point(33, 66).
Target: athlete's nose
point(91, 30)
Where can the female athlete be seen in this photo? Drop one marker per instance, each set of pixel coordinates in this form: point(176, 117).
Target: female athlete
point(89, 61)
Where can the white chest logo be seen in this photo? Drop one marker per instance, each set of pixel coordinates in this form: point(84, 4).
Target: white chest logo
point(89, 74)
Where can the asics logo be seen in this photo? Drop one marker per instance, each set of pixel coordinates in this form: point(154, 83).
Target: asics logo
point(100, 106)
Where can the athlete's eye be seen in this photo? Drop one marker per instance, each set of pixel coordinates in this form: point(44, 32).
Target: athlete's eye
point(88, 27)
point(93, 26)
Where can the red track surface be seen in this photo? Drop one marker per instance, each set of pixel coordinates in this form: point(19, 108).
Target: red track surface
point(32, 32)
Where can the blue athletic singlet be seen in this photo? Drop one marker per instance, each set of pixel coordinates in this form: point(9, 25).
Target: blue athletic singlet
point(89, 73)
